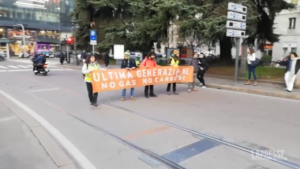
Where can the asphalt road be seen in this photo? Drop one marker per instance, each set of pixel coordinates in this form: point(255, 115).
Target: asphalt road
point(103, 135)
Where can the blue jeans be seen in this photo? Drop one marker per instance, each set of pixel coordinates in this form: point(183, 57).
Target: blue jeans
point(131, 92)
point(251, 69)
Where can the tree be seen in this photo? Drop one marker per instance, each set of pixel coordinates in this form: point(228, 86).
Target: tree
point(211, 26)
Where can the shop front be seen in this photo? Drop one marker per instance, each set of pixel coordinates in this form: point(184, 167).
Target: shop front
point(48, 41)
point(3, 42)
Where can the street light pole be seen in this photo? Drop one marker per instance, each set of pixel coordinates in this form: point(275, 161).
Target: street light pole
point(23, 29)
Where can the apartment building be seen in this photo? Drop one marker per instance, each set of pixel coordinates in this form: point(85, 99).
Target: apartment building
point(287, 24)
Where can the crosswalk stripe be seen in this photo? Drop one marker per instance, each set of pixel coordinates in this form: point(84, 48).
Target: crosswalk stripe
point(23, 66)
point(12, 66)
point(3, 67)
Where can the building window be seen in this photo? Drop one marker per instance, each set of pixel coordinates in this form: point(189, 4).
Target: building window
point(285, 51)
point(292, 23)
point(294, 50)
point(294, 2)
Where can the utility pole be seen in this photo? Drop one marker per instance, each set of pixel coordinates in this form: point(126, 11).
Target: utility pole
point(23, 29)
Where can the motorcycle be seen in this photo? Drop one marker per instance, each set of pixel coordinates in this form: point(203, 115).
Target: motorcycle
point(42, 69)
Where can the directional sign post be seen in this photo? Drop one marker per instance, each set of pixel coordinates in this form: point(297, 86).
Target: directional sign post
point(236, 26)
point(93, 39)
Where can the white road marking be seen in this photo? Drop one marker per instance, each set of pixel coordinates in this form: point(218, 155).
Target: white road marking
point(30, 70)
point(42, 90)
point(22, 66)
point(7, 118)
point(11, 66)
point(3, 67)
point(70, 147)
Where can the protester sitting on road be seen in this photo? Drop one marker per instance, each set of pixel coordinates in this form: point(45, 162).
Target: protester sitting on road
point(128, 64)
point(148, 62)
point(203, 66)
point(251, 69)
point(173, 61)
point(193, 62)
point(89, 66)
point(292, 69)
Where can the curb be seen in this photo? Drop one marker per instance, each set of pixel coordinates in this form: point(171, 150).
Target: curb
point(251, 91)
point(48, 143)
point(228, 77)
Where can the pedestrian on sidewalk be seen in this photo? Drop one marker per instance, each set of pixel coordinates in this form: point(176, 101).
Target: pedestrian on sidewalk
point(62, 58)
point(173, 61)
point(193, 62)
point(89, 66)
point(83, 56)
point(106, 59)
point(128, 64)
point(292, 68)
point(203, 67)
point(148, 62)
point(251, 68)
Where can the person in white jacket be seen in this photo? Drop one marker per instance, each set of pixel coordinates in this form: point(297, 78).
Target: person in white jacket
point(251, 69)
point(89, 66)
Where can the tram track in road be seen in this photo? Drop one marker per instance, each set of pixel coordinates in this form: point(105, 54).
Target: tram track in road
point(163, 160)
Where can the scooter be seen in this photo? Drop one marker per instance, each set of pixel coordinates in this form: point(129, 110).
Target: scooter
point(42, 69)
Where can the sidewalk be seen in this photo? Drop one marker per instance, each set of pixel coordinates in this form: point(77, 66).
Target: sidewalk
point(26, 145)
point(265, 87)
point(19, 148)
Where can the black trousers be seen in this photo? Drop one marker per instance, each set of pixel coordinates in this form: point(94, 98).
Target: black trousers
point(173, 86)
point(147, 89)
point(34, 67)
point(200, 76)
point(106, 63)
point(92, 96)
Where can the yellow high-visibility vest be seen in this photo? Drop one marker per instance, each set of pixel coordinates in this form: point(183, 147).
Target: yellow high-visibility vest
point(174, 63)
point(88, 77)
point(137, 62)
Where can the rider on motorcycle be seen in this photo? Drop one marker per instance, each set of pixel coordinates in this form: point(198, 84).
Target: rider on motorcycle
point(39, 61)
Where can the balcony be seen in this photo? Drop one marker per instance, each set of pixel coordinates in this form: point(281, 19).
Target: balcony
point(292, 31)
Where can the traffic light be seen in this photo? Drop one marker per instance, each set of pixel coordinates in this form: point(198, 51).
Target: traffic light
point(70, 40)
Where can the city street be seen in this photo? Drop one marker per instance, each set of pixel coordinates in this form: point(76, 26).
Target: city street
point(173, 130)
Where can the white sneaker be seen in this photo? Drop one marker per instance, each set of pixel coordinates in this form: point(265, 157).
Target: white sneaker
point(35, 71)
point(203, 87)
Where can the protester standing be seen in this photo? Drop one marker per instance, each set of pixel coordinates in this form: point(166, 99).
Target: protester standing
point(173, 61)
point(89, 66)
point(292, 68)
point(203, 66)
point(128, 64)
point(251, 68)
point(148, 62)
point(193, 62)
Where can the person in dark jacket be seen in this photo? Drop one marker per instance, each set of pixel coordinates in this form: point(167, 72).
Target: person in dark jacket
point(62, 58)
point(83, 56)
point(203, 66)
point(292, 68)
point(128, 64)
point(106, 60)
point(37, 61)
point(193, 62)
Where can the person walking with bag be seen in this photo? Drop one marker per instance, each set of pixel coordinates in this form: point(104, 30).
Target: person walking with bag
point(89, 66)
point(203, 67)
point(128, 64)
point(251, 60)
point(148, 62)
point(292, 68)
point(173, 61)
point(193, 62)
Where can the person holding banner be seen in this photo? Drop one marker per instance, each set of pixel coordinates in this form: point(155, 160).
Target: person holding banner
point(128, 63)
point(89, 66)
point(173, 61)
point(149, 61)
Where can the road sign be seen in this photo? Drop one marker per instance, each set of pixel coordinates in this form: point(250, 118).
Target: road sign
point(236, 25)
point(119, 51)
point(235, 33)
point(236, 16)
point(93, 37)
point(237, 8)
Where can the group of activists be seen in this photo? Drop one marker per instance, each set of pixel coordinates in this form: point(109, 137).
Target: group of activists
point(198, 62)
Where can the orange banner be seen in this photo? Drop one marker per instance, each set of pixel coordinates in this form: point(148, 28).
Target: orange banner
point(116, 79)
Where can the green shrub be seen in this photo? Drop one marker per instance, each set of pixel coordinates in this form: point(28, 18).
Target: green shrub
point(266, 59)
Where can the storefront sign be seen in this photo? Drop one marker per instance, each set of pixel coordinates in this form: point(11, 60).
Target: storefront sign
point(116, 79)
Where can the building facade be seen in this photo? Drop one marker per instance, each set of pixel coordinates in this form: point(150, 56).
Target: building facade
point(287, 24)
point(45, 22)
